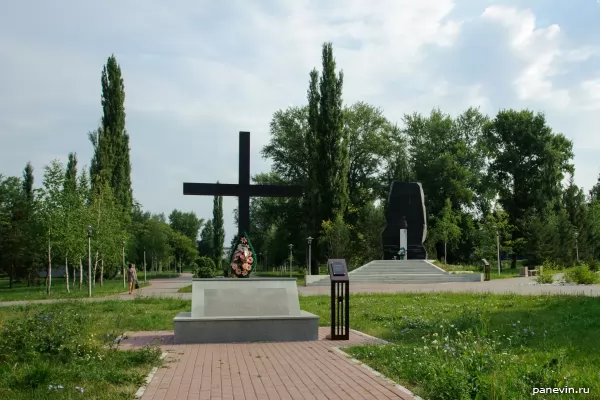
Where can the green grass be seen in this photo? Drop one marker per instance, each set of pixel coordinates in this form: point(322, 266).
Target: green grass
point(460, 346)
point(64, 347)
point(506, 272)
point(21, 291)
point(185, 289)
point(498, 346)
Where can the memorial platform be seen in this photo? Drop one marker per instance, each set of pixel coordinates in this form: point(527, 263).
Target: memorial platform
point(234, 310)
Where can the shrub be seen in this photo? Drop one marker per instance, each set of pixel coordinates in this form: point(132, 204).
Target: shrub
point(545, 277)
point(594, 265)
point(206, 268)
point(582, 275)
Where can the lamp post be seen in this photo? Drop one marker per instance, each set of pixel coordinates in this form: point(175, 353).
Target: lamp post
point(89, 232)
point(577, 247)
point(309, 255)
point(266, 262)
point(291, 248)
point(498, 248)
point(123, 253)
point(144, 264)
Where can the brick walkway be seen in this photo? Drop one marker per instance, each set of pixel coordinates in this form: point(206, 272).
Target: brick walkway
point(263, 371)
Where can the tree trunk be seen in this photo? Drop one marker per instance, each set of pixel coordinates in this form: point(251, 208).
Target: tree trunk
point(80, 273)
point(445, 253)
point(67, 274)
point(49, 271)
point(95, 269)
point(101, 272)
point(10, 278)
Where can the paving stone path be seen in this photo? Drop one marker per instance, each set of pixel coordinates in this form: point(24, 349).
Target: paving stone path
point(263, 371)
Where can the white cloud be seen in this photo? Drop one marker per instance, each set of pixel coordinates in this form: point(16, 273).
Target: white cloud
point(542, 53)
point(591, 89)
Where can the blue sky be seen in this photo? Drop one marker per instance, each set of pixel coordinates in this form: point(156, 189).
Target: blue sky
point(197, 72)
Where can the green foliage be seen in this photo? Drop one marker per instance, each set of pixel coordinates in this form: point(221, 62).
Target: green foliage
point(474, 346)
point(205, 247)
point(218, 226)
point(527, 163)
point(546, 276)
point(186, 223)
point(446, 228)
point(205, 268)
point(62, 351)
point(51, 334)
point(110, 141)
point(582, 275)
point(335, 235)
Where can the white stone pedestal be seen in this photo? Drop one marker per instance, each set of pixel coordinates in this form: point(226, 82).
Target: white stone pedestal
point(245, 310)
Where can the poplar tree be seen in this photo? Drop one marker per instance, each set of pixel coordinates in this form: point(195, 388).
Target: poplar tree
point(111, 160)
point(218, 231)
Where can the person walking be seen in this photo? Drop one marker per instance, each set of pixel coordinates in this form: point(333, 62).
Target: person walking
point(131, 278)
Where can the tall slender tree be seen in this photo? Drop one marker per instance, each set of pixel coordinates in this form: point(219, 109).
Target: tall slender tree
point(331, 141)
point(218, 231)
point(29, 224)
point(111, 142)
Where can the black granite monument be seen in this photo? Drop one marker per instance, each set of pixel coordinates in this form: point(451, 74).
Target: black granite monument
point(405, 210)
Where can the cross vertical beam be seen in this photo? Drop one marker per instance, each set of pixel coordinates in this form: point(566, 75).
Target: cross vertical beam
point(244, 182)
point(243, 190)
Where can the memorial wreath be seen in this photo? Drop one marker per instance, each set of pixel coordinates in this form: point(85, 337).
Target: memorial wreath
point(243, 258)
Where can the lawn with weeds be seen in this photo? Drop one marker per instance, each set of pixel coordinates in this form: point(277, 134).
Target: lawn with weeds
point(62, 350)
point(505, 273)
point(442, 346)
point(21, 292)
point(185, 289)
point(474, 346)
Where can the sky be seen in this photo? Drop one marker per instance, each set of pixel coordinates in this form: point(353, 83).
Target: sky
point(198, 72)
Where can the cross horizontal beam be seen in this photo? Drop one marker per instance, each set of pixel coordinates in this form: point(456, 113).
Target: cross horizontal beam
point(232, 189)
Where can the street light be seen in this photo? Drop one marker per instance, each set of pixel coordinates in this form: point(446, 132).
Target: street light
point(498, 248)
point(89, 232)
point(291, 248)
point(144, 264)
point(309, 254)
point(123, 252)
point(577, 247)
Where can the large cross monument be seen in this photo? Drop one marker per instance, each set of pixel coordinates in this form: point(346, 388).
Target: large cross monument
point(243, 189)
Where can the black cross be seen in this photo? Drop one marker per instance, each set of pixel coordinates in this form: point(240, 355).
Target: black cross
point(243, 190)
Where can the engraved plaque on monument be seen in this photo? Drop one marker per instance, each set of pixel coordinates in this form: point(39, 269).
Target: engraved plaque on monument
point(245, 302)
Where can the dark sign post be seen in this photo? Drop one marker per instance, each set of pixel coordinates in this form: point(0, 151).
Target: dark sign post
point(340, 300)
point(487, 270)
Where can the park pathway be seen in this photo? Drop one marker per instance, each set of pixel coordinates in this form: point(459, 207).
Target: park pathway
point(263, 371)
point(522, 286)
point(167, 287)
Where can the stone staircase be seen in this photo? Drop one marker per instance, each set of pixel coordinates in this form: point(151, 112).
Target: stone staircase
point(400, 271)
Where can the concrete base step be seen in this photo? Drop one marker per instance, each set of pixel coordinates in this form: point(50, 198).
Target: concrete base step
point(402, 271)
